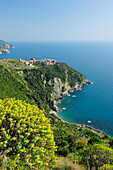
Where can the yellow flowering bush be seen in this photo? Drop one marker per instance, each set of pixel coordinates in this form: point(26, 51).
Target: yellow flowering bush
point(25, 135)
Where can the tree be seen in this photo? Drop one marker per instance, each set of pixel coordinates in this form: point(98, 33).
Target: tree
point(96, 156)
point(25, 135)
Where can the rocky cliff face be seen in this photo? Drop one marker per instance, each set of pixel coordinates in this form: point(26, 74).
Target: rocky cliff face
point(48, 84)
point(4, 46)
point(61, 89)
point(57, 85)
point(42, 86)
point(57, 92)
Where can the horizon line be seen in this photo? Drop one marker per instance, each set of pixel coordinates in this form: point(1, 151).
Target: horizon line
point(58, 40)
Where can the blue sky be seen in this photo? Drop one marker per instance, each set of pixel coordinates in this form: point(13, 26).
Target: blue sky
point(56, 20)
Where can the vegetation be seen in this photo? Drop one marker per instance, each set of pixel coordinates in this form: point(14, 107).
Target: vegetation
point(76, 144)
point(25, 136)
point(66, 164)
point(96, 156)
point(12, 63)
point(111, 142)
point(32, 84)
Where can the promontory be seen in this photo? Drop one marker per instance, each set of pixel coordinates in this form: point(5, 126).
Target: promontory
point(4, 47)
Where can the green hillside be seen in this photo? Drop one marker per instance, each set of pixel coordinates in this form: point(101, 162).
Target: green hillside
point(29, 84)
point(36, 86)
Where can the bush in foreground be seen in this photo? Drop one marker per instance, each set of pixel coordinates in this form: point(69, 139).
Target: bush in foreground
point(96, 156)
point(25, 136)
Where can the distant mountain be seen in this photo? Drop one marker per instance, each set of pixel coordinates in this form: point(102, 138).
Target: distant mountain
point(4, 47)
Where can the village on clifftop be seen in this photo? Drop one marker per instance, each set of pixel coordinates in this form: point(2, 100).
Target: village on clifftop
point(43, 62)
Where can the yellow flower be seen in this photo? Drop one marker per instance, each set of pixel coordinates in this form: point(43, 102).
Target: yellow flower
point(30, 164)
point(32, 145)
point(14, 138)
point(4, 145)
point(28, 133)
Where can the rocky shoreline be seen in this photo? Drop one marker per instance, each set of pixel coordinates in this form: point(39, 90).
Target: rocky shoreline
point(66, 93)
point(97, 131)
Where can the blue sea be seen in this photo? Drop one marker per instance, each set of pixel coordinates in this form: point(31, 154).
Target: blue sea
point(94, 60)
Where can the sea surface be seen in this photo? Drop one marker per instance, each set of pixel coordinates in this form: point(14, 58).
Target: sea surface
point(94, 60)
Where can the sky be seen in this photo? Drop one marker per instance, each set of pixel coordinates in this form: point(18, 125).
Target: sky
point(56, 20)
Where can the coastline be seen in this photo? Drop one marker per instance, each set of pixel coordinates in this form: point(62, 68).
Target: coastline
point(77, 87)
point(97, 131)
point(66, 93)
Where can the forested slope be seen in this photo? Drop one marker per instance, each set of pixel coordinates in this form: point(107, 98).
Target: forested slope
point(35, 86)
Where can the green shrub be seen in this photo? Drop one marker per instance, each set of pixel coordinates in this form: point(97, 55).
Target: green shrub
point(96, 156)
point(25, 135)
point(81, 143)
point(94, 140)
point(106, 167)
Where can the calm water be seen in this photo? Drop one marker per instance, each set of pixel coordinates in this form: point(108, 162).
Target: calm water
point(92, 59)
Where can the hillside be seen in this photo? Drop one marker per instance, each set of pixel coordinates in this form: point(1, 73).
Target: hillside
point(43, 86)
point(39, 85)
point(4, 47)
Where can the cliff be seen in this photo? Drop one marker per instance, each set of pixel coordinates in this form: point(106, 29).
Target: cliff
point(53, 81)
point(42, 86)
point(61, 89)
point(4, 47)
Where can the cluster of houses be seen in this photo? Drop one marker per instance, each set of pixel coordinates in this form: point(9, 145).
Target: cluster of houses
point(43, 62)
